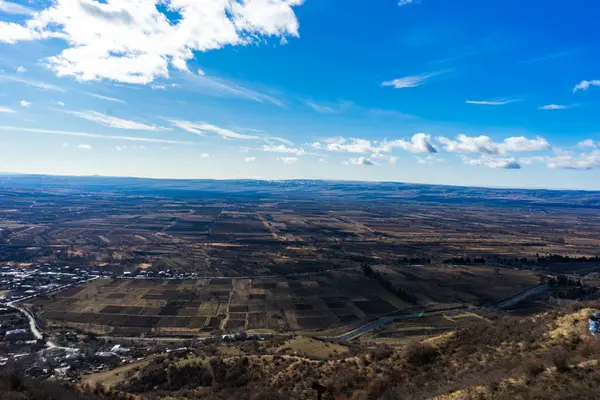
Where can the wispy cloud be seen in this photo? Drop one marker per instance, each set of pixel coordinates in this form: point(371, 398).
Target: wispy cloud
point(249, 159)
point(6, 110)
point(25, 103)
point(585, 85)
point(224, 88)
point(21, 69)
point(554, 107)
point(92, 135)
point(114, 122)
point(329, 108)
point(278, 139)
point(430, 159)
point(14, 8)
point(381, 112)
point(59, 103)
point(492, 102)
point(288, 160)
point(32, 83)
point(107, 98)
point(204, 155)
point(549, 57)
point(405, 2)
point(411, 81)
point(201, 128)
point(84, 146)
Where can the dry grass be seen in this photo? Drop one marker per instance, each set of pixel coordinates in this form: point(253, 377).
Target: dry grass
point(110, 378)
point(301, 345)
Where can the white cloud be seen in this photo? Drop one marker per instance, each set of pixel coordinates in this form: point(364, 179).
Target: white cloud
point(393, 160)
point(430, 159)
point(585, 85)
point(114, 122)
point(204, 155)
point(121, 148)
point(352, 145)
point(6, 110)
point(360, 161)
point(201, 72)
point(490, 162)
point(288, 160)
point(29, 82)
point(485, 144)
point(133, 42)
point(91, 135)
point(419, 143)
point(583, 161)
point(249, 159)
point(554, 107)
point(60, 103)
point(587, 143)
point(521, 143)
point(14, 8)
point(200, 128)
point(84, 146)
point(65, 145)
point(25, 103)
point(410, 81)
point(21, 69)
point(492, 102)
point(405, 2)
point(101, 97)
point(283, 149)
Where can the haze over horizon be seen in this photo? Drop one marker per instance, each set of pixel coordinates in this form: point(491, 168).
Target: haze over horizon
point(430, 91)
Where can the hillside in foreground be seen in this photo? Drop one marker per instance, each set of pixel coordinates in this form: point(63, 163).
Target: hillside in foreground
point(550, 355)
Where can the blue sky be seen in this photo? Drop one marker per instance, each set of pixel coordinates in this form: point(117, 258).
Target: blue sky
point(493, 93)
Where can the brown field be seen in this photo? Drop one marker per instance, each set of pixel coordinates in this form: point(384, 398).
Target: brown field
point(337, 300)
point(257, 228)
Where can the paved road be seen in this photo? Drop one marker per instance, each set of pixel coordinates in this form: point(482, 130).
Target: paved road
point(37, 333)
point(520, 297)
point(33, 326)
point(315, 273)
point(392, 318)
point(389, 319)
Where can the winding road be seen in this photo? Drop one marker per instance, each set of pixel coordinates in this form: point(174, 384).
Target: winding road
point(33, 326)
point(392, 318)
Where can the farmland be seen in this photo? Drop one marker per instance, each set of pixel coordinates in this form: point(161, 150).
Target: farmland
point(225, 256)
point(249, 228)
point(327, 303)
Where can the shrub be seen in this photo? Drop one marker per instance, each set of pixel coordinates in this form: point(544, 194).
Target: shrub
point(561, 362)
point(420, 354)
point(533, 369)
